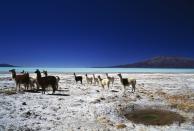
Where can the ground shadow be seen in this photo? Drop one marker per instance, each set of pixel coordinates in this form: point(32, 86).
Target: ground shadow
point(59, 94)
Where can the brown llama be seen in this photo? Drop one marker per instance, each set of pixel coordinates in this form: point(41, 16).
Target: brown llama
point(20, 79)
point(45, 82)
point(95, 80)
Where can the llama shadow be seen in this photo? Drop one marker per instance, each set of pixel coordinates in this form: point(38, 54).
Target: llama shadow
point(59, 94)
point(66, 90)
point(33, 91)
point(114, 91)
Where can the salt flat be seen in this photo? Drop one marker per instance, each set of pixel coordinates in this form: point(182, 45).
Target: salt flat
point(89, 107)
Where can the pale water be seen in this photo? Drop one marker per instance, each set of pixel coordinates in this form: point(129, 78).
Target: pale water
point(100, 70)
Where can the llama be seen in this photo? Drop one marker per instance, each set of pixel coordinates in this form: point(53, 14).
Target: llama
point(127, 82)
point(95, 80)
point(32, 82)
point(104, 82)
point(46, 74)
point(45, 82)
point(111, 79)
point(27, 84)
point(89, 79)
point(20, 79)
point(78, 78)
point(23, 72)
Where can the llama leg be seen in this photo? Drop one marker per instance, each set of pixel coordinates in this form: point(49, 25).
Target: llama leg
point(42, 90)
point(54, 88)
point(103, 87)
point(133, 87)
point(19, 87)
point(57, 86)
point(102, 91)
point(16, 87)
point(27, 86)
point(124, 90)
point(37, 85)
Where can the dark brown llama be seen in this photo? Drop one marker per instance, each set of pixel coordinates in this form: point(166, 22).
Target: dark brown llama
point(45, 82)
point(78, 78)
point(46, 75)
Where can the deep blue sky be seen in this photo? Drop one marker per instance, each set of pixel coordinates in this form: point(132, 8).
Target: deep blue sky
point(81, 33)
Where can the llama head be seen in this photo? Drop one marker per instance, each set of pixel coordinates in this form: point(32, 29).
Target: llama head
point(13, 73)
point(119, 74)
point(13, 70)
point(27, 74)
point(37, 71)
point(45, 72)
point(22, 72)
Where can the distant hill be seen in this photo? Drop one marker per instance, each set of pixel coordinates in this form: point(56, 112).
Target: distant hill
point(161, 62)
point(7, 65)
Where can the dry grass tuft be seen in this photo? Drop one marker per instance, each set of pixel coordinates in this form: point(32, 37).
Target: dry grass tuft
point(180, 101)
point(120, 126)
point(8, 92)
point(105, 121)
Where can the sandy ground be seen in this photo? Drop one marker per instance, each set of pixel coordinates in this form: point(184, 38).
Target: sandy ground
point(88, 107)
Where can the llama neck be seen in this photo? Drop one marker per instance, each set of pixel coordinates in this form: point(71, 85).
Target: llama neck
point(13, 75)
point(38, 76)
point(94, 76)
point(121, 79)
point(107, 75)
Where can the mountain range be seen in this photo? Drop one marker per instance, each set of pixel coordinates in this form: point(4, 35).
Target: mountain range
point(6, 65)
point(160, 62)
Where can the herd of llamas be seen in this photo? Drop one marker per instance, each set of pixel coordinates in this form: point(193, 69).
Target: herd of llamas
point(53, 81)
